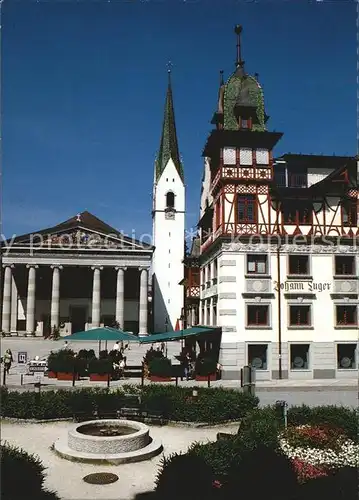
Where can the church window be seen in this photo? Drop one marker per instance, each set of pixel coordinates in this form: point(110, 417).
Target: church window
point(229, 156)
point(245, 156)
point(170, 200)
point(262, 157)
point(166, 180)
point(173, 180)
point(246, 209)
point(169, 234)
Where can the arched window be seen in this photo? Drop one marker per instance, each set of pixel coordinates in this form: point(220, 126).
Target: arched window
point(170, 200)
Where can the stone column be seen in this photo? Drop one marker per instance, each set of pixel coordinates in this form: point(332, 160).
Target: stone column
point(120, 296)
point(143, 302)
point(96, 296)
point(31, 299)
point(193, 321)
point(55, 296)
point(211, 311)
point(14, 306)
point(6, 304)
point(201, 319)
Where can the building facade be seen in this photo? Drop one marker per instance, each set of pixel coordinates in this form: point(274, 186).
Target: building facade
point(77, 275)
point(279, 246)
point(168, 217)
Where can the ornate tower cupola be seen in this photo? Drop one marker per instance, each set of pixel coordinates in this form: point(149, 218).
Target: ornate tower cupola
point(238, 159)
point(168, 224)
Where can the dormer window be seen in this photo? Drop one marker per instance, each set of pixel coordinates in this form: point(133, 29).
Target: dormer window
point(243, 123)
point(170, 200)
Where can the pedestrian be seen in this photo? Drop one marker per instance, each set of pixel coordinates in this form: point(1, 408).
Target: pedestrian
point(116, 347)
point(186, 363)
point(8, 359)
point(66, 345)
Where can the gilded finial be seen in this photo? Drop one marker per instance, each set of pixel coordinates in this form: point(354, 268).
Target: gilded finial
point(238, 30)
point(169, 69)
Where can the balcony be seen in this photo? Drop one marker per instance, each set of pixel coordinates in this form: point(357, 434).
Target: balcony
point(209, 292)
point(292, 180)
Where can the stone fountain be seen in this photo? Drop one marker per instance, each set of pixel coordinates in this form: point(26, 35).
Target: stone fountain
point(108, 441)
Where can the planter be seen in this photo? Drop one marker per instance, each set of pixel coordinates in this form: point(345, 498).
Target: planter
point(51, 374)
point(204, 378)
point(156, 378)
point(66, 376)
point(97, 377)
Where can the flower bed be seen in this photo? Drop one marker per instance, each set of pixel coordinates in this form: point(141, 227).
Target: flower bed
point(314, 450)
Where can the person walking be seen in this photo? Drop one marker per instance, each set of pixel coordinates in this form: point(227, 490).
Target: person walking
point(8, 359)
point(186, 363)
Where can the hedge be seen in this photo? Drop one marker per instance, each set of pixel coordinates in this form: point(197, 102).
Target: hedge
point(22, 475)
point(175, 403)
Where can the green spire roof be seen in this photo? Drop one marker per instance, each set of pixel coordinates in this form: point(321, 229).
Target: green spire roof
point(169, 145)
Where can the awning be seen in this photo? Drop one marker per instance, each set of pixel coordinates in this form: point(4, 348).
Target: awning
point(177, 334)
point(101, 334)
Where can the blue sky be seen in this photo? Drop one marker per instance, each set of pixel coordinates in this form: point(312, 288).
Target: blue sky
point(83, 89)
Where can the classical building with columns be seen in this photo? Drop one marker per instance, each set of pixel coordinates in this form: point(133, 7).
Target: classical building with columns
point(77, 275)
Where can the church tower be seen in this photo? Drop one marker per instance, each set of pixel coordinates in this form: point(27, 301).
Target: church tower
point(168, 216)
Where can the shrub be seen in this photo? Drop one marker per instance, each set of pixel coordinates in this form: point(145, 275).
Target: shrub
point(265, 472)
point(222, 455)
point(160, 367)
point(100, 366)
point(22, 475)
point(184, 476)
point(205, 367)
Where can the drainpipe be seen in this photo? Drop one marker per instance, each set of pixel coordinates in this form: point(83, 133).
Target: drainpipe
point(279, 302)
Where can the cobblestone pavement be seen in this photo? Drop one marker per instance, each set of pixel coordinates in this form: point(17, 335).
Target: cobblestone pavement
point(310, 392)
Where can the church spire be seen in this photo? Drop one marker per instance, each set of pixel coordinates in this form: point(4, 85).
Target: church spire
point(169, 144)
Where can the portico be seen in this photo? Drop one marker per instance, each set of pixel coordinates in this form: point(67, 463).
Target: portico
point(80, 276)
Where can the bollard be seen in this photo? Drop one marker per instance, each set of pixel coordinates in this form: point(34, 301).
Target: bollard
point(248, 379)
point(282, 411)
point(22, 379)
point(176, 380)
point(4, 377)
point(209, 380)
point(108, 379)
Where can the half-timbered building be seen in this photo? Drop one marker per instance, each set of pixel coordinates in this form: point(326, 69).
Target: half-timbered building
point(278, 250)
point(77, 275)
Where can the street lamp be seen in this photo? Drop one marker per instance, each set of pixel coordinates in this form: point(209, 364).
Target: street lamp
point(181, 320)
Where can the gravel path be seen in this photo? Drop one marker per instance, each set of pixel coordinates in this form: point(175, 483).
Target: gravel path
point(65, 477)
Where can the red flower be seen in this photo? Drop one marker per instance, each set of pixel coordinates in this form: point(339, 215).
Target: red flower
point(217, 484)
point(305, 471)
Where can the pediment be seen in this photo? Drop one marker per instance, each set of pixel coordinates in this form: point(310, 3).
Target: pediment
point(84, 231)
point(78, 238)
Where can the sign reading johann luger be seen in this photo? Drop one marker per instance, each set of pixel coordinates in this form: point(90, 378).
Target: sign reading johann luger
point(37, 367)
point(302, 286)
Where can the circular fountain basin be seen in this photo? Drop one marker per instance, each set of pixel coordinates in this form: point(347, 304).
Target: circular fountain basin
point(108, 441)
